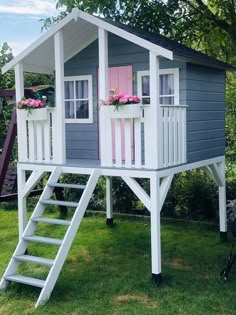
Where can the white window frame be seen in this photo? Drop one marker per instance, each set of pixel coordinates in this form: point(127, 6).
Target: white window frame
point(88, 78)
point(174, 71)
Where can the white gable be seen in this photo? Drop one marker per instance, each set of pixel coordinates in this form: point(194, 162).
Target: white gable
point(80, 30)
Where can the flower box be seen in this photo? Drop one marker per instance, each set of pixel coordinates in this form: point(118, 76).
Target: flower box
point(33, 114)
point(123, 111)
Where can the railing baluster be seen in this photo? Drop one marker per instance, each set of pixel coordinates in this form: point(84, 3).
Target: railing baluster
point(137, 143)
point(47, 139)
point(118, 142)
point(39, 139)
point(128, 151)
point(165, 136)
point(31, 140)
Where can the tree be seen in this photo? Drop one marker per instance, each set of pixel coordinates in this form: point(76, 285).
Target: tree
point(207, 25)
point(6, 80)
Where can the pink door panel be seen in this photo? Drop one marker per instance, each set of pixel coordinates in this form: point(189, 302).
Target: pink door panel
point(120, 80)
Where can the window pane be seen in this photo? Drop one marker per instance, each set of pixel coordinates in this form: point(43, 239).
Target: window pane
point(167, 84)
point(82, 109)
point(69, 90)
point(146, 100)
point(69, 109)
point(167, 100)
point(82, 89)
point(145, 85)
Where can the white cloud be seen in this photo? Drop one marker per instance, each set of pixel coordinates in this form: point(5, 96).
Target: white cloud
point(30, 7)
point(19, 46)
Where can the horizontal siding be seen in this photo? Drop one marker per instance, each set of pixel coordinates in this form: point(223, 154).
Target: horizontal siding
point(82, 139)
point(205, 90)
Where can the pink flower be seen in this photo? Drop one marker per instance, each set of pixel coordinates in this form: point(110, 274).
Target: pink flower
point(42, 103)
point(116, 97)
point(123, 94)
point(131, 99)
point(109, 100)
point(123, 100)
point(136, 99)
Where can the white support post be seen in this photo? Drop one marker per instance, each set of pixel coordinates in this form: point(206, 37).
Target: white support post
point(103, 93)
point(155, 154)
point(222, 203)
point(109, 201)
point(155, 228)
point(22, 212)
point(60, 154)
point(21, 130)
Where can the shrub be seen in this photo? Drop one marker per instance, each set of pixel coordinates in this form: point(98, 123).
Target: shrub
point(193, 195)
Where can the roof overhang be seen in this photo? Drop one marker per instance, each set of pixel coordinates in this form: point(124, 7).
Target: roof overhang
point(80, 29)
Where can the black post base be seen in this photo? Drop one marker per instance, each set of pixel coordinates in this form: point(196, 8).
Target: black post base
point(157, 279)
point(110, 222)
point(223, 236)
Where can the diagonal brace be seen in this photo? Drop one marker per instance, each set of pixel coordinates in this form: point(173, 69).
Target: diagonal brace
point(34, 178)
point(138, 191)
point(164, 188)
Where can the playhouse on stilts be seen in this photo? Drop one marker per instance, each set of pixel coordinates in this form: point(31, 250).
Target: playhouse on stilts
point(178, 125)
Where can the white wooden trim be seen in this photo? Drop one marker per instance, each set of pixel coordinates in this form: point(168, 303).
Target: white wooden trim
point(88, 78)
point(138, 190)
point(128, 149)
point(103, 92)
point(34, 178)
point(174, 71)
point(75, 14)
point(60, 155)
point(22, 211)
point(135, 173)
point(155, 132)
point(155, 224)
point(217, 174)
point(164, 188)
point(158, 50)
point(222, 199)
point(208, 171)
point(21, 130)
point(52, 31)
point(109, 198)
point(189, 166)
point(37, 69)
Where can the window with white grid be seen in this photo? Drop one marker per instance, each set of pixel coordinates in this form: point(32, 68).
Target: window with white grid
point(169, 86)
point(78, 99)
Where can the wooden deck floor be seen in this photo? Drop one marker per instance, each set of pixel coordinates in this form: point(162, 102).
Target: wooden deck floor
point(83, 163)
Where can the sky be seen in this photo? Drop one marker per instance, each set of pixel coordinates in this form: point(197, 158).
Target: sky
point(19, 21)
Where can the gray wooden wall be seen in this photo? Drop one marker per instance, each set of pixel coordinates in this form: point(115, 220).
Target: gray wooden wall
point(205, 92)
point(201, 88)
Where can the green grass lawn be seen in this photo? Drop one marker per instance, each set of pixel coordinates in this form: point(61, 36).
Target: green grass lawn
point(108, 271)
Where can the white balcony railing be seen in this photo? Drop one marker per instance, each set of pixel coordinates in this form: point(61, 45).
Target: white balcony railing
point(37, 139)
point(127, 142)
point(173, 134)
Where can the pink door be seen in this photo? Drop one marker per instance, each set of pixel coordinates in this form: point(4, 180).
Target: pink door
point(120, 80)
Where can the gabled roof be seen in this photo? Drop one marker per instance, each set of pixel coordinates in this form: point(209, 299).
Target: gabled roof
point(80, 29)
point(180, 51)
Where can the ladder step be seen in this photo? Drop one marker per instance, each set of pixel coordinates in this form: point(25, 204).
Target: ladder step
point(64, 185)
point(60, 203)
point(26, 280)
point(51, 221)
point(41, 239)
point(34, 259)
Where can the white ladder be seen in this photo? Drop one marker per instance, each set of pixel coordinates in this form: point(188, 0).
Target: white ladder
point(64, 244)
